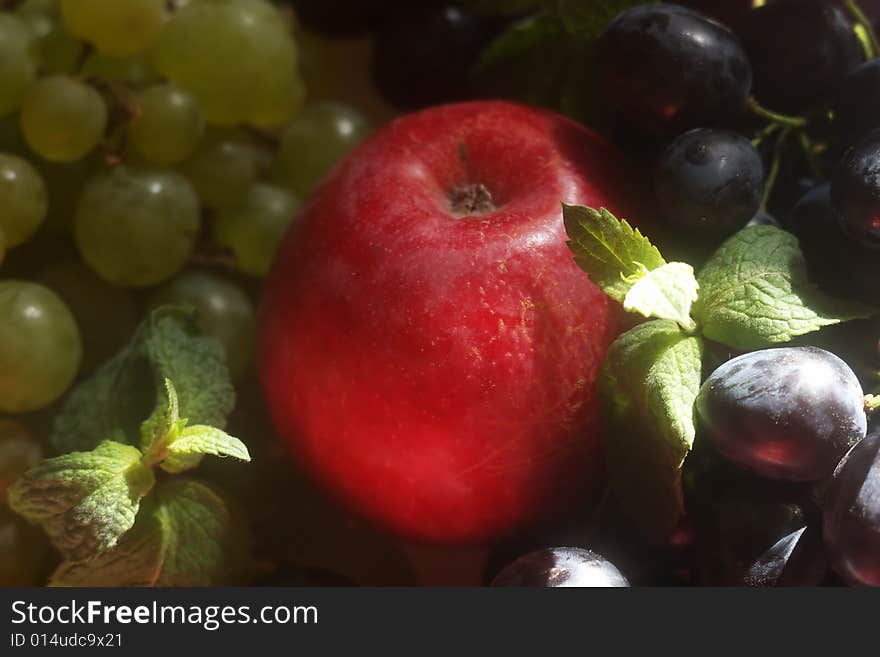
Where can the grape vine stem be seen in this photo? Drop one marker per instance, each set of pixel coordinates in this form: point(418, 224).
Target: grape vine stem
point(859, 17)
point(774, 117)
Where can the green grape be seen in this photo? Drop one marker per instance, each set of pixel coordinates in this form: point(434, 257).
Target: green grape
point(136, 71)
point(62, 119)
point(107, 315)
point(23, 199)
point(253, 231)
point(136, 228)
point(57, 50)
point(223, 310)
point(237, 56)
point(284, 110)
point(222, 169)
point(24, 551)
point(40, 346)
point(168, 126)
point(118, 28)
point(19, 452)
point(18, 66)
point(312, 144)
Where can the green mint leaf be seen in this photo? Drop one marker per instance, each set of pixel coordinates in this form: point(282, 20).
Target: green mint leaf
point(612, 253)
point(667, 292)
point(165, 421)
point(84, 500)
point(649, 382)
point(186, 535)
point(196, 364)
point(754, 292)
point(130, 387)
point(589, 17)
point(521, 38)
point(198, 441)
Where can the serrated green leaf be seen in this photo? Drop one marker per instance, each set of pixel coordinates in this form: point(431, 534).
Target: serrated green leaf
point(165, 421)
point(650, 380)
point(612, 253)
point(667, 292)
point(589, 17)
point(129, 388)
point(187, 536)
point(199, 440)
point(195, 364)
point(754, 292)
point(84, 500)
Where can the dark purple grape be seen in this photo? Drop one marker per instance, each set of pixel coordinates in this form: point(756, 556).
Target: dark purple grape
point(814, 222)
point(424, 55)
point(789, 413)
point(561, 567)
point(667, 68)
point(857, 110)
point(855, 191)
point(852, 514)
point(800, 51)
point(709, 182)
point(796, 559)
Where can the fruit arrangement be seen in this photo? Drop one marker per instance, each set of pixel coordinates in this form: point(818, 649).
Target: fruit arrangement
point(487, 292)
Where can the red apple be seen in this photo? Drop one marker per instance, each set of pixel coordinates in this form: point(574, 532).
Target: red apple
point(429, 349)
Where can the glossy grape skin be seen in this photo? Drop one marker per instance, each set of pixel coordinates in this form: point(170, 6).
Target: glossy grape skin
point(168, 125)
point(18, 66)
point(23, 199)
point(222, 169)
point(253, 231)
point(851, 518)
point(23, 551)
point(315, 140)
point(800, 51)
point(40, 346)
point(788, 413)
point(857, 108)
point(236, 56)
point(136, 228)
point(855, 191)
point(19, 452)
point(118, 28)
point(92, 301)
point(561, 567)
point(223, 311)
point(446, 41)
point(62, 119)
point(709, 182)
point(667, 68)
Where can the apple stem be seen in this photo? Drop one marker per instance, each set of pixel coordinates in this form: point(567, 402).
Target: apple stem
point(472, 199)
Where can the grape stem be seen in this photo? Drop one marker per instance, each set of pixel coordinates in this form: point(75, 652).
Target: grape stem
point(770, 181)
point(859, 17)
point(872, 404)
point(774, 117)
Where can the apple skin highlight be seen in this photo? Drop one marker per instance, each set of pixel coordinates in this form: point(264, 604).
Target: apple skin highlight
point(431, 354)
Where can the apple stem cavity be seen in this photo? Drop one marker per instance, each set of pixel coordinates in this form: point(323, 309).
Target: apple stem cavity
point(471, 200)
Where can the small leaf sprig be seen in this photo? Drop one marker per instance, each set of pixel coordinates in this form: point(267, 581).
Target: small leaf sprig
point(114, 518)
point(753, 292)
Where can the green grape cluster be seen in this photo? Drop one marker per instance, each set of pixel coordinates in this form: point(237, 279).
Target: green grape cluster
point(146, 145)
